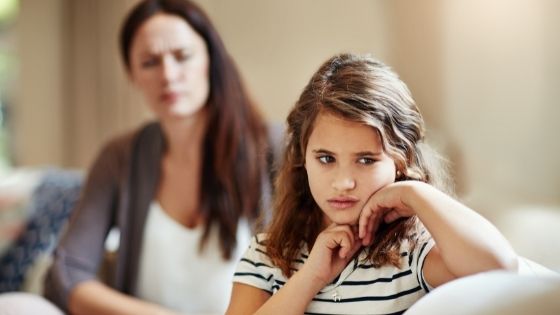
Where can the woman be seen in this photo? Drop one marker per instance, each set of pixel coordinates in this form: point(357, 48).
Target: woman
point(183, 190)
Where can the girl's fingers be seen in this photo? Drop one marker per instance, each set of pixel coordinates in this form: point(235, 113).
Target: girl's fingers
point(391, 216)
point(367, 235)
point(373, 225)
point(355, 247)
point(345, 247)
point(363, 222)
point(371, 228)
point(339, 236)
point(343, 237)
point(352, 245)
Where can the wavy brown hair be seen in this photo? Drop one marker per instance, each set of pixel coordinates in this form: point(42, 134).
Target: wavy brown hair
point(234, 153)
point(359, 89)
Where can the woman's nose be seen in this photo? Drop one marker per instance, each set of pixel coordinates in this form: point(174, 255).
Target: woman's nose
point(170, 69)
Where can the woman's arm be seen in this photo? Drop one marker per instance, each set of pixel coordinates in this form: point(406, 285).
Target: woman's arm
point(94, 298)
point(72, 281)
point(466, 243)
point(81, 250)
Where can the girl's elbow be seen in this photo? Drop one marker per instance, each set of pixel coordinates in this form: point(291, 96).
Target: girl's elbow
point(510, 263)
point(507, 261)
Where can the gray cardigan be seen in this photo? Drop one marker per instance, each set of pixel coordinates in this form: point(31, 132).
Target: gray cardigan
point(120, 186)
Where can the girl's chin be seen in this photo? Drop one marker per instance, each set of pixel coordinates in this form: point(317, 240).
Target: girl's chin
point(348, 222)
point(342, 221)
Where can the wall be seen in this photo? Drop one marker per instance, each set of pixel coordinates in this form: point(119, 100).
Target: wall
point(485, 74)
point(279, 44)
point(102, 102)
point(39, 106)
point(500, 88)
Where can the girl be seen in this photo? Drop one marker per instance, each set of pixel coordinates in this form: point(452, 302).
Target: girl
point(359, 226)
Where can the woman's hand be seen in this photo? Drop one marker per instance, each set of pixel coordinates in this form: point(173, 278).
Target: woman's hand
point(333, 249)
point(385, 205)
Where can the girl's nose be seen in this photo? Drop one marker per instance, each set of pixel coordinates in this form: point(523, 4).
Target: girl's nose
point(344, 183)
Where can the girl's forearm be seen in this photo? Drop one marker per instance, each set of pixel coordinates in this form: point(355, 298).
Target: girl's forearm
point(468, 243)
point(294, 297)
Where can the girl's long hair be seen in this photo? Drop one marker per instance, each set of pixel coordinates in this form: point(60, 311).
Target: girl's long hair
point(235, 144)
point(359, 89)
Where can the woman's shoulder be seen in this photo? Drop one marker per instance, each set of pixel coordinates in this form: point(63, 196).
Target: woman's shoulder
point(116, 154)
point(124, 142)
point(150, 130)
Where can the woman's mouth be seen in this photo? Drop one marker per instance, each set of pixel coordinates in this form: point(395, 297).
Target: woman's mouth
point(169, 97)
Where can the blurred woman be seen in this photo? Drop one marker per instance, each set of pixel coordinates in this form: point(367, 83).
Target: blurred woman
point(183, 190)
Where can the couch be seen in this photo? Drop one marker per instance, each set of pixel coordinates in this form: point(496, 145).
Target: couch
point(52, 194)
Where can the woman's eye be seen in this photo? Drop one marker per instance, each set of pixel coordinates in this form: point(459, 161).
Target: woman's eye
point(325, 159)
point(149, 62)
point(182, 56)
point(366, 160)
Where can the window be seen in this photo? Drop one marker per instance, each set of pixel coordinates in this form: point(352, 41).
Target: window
point(8, 73)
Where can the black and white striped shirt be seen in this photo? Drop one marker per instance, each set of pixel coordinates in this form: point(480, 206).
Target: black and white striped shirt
point(359, 289)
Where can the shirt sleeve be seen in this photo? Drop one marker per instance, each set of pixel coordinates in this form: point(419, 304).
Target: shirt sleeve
point(424, 243)
point(255, 268)
point(80, 251)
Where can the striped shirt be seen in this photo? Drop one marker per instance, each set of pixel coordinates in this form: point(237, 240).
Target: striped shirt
point(359, 289)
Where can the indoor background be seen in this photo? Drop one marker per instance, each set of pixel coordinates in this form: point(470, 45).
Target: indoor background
point(485, 73)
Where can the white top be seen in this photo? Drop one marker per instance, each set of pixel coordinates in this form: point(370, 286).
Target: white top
point(359, 289)
point(174, 274)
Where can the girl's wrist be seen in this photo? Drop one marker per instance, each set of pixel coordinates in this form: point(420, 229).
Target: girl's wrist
point(413, 192)
point(310, 280)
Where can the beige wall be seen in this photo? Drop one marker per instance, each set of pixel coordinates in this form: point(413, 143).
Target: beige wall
point(73, 93)
point(279, 44)
point(102, 102)
point(39, 107)
point(500, 90)
point(485, 74)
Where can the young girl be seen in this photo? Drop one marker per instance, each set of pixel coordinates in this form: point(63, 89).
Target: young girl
point(359, 226)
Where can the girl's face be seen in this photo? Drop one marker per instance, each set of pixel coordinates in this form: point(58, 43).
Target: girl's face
point(169, 63)
point(345, 165)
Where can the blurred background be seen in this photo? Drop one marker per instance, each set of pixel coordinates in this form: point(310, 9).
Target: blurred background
point(485, 73)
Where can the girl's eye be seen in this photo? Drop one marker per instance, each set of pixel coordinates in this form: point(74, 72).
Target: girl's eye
point(366, 160)
point(325, 159)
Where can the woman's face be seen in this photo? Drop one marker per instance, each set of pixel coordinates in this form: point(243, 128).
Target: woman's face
point(169, 63)
point(345, 164)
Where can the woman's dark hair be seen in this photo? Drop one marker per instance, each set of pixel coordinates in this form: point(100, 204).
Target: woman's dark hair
point(235, 145)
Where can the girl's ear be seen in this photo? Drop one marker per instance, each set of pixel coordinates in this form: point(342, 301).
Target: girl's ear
point(401, 174)
point(399, 171)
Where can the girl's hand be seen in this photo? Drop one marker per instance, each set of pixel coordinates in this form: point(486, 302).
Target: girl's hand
point(385, 205)
point(333, 249)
